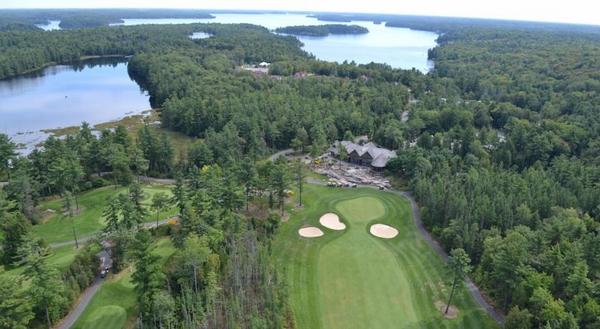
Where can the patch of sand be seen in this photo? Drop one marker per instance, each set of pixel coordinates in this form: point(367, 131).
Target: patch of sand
point(332, 222)
point(310, 232)
point(452, 311)
point(383, 231)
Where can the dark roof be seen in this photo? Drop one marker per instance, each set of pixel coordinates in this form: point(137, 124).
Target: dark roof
point(380, 155)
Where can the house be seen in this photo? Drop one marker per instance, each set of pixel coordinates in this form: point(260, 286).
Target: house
point(366, 154)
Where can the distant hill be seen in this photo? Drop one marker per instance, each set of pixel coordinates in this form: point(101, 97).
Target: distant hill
point(322, 30)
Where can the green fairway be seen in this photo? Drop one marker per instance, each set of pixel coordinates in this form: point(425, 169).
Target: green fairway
point(115, 302)
point(351, 279)
point(60, 258)
point(57, 227)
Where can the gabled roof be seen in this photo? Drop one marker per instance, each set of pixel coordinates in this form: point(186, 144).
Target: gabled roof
point(380, 156)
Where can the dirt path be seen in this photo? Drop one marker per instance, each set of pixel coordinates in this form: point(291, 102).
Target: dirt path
point(416, 214)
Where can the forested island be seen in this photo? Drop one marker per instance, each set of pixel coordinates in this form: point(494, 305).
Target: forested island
point(322, 30)
point(27, 19)
point(501, 150)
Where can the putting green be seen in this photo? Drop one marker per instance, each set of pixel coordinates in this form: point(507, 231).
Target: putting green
point(351, 279)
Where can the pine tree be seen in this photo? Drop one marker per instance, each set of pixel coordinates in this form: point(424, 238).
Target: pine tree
point(7, 154)
point(147, 277)
point(111, 214)
point(47, 290)
point(68, 207)
point(459, 265)
point(299, 176)
point(160, 202)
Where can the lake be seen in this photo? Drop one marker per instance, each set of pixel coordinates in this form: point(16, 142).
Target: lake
point(398, 47)
point(101, 90)
point(50, 26)
point(94, 91)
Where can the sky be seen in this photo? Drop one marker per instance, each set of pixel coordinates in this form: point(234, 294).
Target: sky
point(565, 11)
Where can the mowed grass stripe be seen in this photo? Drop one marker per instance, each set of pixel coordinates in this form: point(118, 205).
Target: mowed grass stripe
point(354, 253)
point(357, 265)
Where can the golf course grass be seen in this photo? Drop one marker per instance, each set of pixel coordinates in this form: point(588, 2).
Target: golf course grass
point(57, 227)
point(115, 302)
point(351, 279)
point(59, 258)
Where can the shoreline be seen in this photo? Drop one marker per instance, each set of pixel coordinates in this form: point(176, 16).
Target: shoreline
point(49, 64)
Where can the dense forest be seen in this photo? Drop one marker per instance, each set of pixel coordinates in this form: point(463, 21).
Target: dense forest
point(501, 149)
point(322, 30)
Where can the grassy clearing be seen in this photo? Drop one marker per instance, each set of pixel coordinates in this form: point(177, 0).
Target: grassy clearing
point(115, 302)
point(350, 279)
point(57, 227)
point(60, 258)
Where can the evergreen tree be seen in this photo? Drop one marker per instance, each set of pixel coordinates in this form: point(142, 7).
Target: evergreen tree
point(15, 306)
point(458, 262)
point(46, 290)
point(7, 154)
point(248, 176)
point(111, 214)
point(136, 195)
point(160, 202)
point(299, 176)
point(15, 230)
point(147, 277)
point(280, 182)
point(68, 208)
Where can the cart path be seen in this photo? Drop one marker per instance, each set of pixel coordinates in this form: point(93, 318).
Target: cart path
point(88, 294)
point(87, 238)
point(82, 303)
point(85, 298)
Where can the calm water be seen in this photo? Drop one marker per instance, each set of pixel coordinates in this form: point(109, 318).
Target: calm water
point(66, 95)
point(398, 47)
point(200, 35)
point(144, 21)
point(50, 26)
point(101, 90)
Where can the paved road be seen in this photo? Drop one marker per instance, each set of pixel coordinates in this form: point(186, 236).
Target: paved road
point(82, 303)
point(87, 238)
point(473, 289)
point(89, 293)
point(416, 214)
point(280, 153)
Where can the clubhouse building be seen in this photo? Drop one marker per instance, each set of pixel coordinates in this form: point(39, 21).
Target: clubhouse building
point(368, 154)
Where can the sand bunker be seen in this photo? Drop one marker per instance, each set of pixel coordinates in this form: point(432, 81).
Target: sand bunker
point(452, 310)
point(332, 222)
point(383, 231)
point(310, 232)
